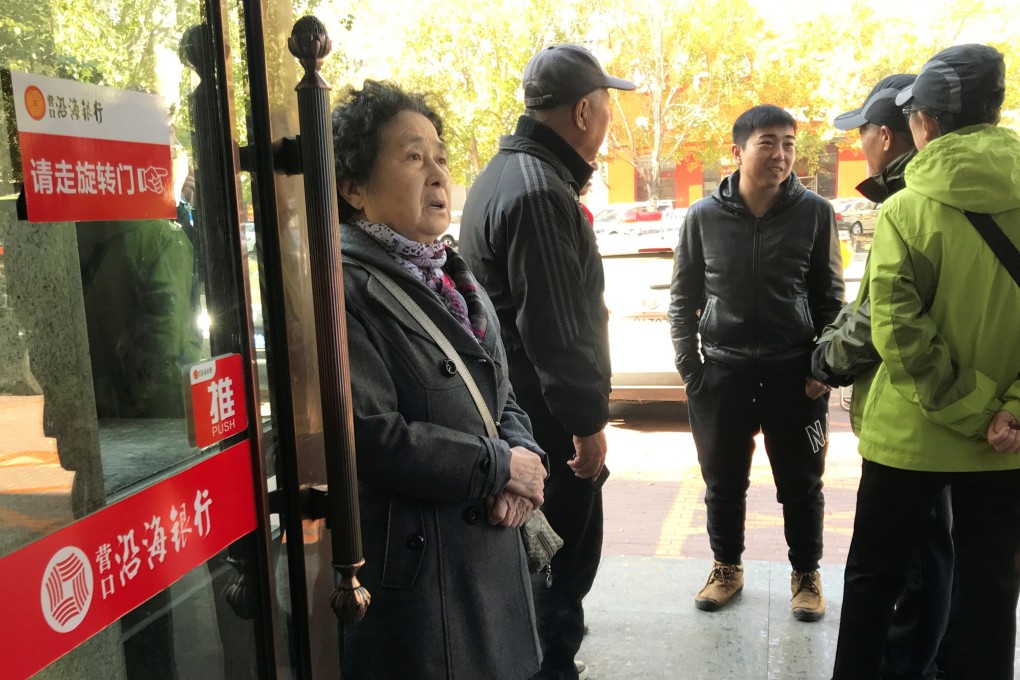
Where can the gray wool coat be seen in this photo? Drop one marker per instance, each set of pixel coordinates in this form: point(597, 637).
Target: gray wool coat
point(451, 594)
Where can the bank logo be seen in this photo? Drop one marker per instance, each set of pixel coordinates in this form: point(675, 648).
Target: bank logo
point(67, 588)
point(35, 102)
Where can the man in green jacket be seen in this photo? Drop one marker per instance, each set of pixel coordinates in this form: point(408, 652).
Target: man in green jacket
point(943, 405)
point(845, 355)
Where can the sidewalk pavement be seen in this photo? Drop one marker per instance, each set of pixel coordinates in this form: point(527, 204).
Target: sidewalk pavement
point(654, 498)
point(641, 615)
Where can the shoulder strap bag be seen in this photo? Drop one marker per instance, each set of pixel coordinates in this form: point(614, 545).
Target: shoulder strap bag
point(540, 540)
point(1000, 244)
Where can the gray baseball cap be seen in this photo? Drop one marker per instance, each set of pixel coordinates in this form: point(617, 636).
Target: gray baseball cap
point(880, 107)
point(562, 74)
point(958, 75)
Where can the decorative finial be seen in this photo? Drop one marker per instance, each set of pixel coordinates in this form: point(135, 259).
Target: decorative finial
point(310, 44)
point(350, 599)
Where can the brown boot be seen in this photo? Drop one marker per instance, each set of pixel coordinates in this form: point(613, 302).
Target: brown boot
point(725, 581)
point(807, 603)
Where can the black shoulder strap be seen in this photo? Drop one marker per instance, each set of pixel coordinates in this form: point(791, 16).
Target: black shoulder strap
point(998, 242)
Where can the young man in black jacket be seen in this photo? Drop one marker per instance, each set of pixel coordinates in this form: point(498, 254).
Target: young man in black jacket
point(757, 276)
point(526, 239)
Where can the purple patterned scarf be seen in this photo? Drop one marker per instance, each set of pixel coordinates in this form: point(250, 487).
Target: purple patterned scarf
point(429, 262)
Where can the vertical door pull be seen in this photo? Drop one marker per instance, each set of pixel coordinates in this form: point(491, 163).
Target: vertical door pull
point(310, 44)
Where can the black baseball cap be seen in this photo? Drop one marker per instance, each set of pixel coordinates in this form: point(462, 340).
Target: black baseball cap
point(880, 107)
point(958, 74)
point(562, 74)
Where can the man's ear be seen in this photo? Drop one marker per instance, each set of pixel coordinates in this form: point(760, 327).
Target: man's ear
point(887, 137)
point(736, 150)
point(929, 125)
point(351, 193)
point(582, 110)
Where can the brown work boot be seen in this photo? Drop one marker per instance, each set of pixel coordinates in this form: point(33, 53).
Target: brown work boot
point(807, 603)
point(725, 581)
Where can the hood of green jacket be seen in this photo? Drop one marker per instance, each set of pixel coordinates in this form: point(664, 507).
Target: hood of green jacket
point(975, 168)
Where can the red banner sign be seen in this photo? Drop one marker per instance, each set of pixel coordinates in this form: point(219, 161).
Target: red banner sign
point(92, 153)
point(65, 588)
point(217, 405)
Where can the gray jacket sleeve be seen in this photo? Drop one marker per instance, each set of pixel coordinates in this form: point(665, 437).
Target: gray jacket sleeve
point(844, 348)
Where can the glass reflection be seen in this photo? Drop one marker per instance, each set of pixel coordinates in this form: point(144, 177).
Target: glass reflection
point(99, 319)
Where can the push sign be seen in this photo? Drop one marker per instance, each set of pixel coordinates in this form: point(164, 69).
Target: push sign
point(217, 400)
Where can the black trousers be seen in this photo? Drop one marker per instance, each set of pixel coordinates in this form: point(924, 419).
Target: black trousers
point(921, 614)
point(728, 406)
point(573, 507)
point(894, 511)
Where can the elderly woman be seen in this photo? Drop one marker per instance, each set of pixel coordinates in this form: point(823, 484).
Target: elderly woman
point(441, 502)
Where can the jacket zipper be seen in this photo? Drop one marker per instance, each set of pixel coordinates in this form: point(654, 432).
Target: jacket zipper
point(755, 266)
point(548, 567)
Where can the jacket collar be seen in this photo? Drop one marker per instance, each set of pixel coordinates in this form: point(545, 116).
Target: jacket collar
point(880, 187)
point(728, 194)
point(540, 140)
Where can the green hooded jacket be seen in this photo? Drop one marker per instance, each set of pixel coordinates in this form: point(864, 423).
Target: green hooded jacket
point(847, 353)
point(945, 313)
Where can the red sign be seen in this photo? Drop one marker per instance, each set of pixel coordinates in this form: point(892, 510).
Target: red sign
point(65, 588)
point(217, 396)
point(91, 152)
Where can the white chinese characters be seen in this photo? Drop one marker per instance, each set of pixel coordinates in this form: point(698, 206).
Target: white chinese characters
point(125, 561)
point(95, 179)
point(222, 406)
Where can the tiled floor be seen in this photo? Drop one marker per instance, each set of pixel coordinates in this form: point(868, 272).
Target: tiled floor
point(654, 499)
point(643, 624)
point(641, 614)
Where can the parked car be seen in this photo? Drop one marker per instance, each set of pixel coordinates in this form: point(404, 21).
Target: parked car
point(621, 218)
point(840, 204)
point(249, 238)
point(607, 221)
point(452, 235)
point(642, 213)
point(638, 274)
point(858, 218)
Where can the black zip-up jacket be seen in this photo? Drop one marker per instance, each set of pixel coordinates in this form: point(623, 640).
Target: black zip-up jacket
point(754, 289)
point(528, 243)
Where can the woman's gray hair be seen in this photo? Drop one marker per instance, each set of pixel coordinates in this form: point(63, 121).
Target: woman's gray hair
point(357, 130)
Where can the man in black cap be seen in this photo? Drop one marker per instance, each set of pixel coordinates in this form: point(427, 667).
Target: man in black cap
point(942, 408)
point(845, 356)
point(527, 240)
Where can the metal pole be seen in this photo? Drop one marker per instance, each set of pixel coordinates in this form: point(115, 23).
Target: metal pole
point(310, 44)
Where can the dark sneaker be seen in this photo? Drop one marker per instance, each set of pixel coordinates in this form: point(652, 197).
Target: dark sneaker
point(807, 603)
point(725, 581)
point(582, 669)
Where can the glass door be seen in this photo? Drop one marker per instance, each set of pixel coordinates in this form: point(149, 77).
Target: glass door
point(139, 443)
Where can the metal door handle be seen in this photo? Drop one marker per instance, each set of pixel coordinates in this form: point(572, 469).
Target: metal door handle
point(310, 43)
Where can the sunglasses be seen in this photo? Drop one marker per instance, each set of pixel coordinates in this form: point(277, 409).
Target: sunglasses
point(908, 110)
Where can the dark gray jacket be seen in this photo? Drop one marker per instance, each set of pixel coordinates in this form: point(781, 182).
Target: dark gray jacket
point(845, 350)
point(754, 289)
point(451, 594)
point(534, 251)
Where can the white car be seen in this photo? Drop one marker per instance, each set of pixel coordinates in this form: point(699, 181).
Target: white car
point(638, 273)
point(452, 235)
